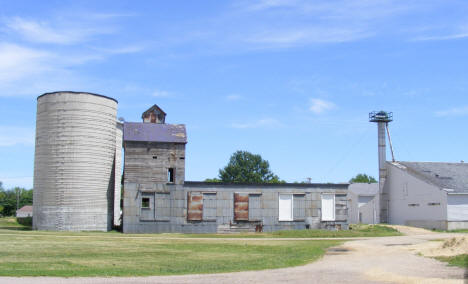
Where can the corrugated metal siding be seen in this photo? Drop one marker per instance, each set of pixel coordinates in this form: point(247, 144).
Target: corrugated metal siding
point(209, 206)
point(162, 206)
point(241, 206)
point(299, 207)
point(74, 157)
point(118, 172)
point(194, 206)
point(255, 207)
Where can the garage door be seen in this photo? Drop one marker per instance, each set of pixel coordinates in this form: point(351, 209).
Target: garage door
point(457, 207)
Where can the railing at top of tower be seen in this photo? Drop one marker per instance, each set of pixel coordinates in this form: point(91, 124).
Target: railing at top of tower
point(380, 116)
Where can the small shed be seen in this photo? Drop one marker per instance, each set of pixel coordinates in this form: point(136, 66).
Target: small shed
point(25, 211)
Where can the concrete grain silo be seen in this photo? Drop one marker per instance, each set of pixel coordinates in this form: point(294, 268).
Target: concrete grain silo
point(75, 162)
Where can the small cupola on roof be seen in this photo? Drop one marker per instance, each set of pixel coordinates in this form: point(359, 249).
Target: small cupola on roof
point(154, 115)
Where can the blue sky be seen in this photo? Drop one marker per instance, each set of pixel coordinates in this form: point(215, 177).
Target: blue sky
point(291, 80)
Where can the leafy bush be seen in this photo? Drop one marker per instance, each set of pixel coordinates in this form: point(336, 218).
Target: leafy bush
point(25, 221)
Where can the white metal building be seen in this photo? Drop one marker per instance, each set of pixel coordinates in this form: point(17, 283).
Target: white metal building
point(362, 203)
point(427, 194)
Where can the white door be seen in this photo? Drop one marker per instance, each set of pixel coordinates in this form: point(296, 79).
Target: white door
point(285, 207)
point(328, 207)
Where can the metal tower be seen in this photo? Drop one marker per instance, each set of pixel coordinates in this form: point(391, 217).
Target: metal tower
point(382, 119)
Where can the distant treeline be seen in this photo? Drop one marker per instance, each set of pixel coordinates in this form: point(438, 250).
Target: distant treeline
point(12, 198)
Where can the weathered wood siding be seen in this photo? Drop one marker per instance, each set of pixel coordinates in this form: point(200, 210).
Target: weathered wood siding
point(148, 163)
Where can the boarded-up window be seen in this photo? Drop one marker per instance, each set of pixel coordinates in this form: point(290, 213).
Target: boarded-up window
point(328, 207)
point(299, 206)
point(209, 206)
point(255, 207)
point(241, 206)
point(285, 207)
point(194, 206)
point(162, 206)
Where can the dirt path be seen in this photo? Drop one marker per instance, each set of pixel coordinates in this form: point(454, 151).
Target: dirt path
point(373, 260)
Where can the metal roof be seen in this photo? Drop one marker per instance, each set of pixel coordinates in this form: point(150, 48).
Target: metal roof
point(77, 93)
point(255, 185)
point(25, 208)
point(368, 189)
point(154, 132)
point(449, 176)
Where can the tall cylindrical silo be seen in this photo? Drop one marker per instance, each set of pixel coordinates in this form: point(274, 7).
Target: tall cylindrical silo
point(74, 162)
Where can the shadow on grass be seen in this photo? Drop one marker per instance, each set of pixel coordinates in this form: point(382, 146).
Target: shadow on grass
point(13, 228)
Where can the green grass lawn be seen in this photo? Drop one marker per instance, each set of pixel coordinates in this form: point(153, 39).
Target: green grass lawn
point(97, 254)
point(452, 231)
point(39, 253)
point(459, 260)
point(10, 223)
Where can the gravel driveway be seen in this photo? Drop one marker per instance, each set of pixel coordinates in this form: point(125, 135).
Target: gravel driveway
point(373, 260)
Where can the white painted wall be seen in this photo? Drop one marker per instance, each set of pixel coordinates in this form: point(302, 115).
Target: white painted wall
point(363, 205)
point(457, 207)
point(405, 189)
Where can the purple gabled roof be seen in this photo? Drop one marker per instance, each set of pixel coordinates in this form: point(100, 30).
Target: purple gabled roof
point(25, 208)
point(155, 132)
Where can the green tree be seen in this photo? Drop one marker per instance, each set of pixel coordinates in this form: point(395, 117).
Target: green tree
point(2, 197)
point(363, 178)
point(245, 167)
point(9, 199)
point(212, 180)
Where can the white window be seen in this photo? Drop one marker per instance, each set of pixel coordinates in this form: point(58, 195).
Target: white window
point(328, 207)
point(285, 207)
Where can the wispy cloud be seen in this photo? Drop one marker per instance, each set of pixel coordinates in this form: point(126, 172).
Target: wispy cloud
point(162, 94)
point(268, 4)
point(261, 123)
point(44, 32)
point(121, 49)
point(276, 38)
point(11, 135)
point(457, 111)
point(233, 97)
point(43, 55)
point(319, 106)
point(18, 62)
point(442, 37)
point(288, 23)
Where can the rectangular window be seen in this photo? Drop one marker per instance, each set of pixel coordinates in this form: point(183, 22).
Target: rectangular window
point(285, 207)
point(328, 207)
point(209, 206)
point(299, 206)
point(255, 207)
point(170, 175)
point(145, 203)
